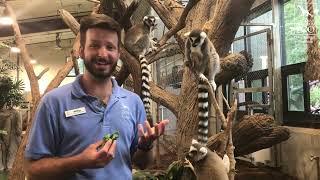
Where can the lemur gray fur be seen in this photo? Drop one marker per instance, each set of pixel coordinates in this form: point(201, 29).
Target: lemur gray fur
point(207, 164)
point(201, 56)
point(138, 42)
point(203, 60)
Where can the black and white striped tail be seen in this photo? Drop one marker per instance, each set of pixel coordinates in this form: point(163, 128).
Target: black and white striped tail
point(145, 88)
point(203, 105)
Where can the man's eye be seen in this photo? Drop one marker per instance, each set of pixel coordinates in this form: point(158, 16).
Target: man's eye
point(94, 45)
point(110, 47)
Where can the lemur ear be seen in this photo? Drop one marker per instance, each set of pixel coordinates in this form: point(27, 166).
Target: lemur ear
point(186, 34)
point(203, 34)
point(145, 18)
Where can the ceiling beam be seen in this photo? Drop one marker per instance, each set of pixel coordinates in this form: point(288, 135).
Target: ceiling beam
point(38, 25)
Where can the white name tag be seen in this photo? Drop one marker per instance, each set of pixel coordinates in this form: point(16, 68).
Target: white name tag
point(74, 112)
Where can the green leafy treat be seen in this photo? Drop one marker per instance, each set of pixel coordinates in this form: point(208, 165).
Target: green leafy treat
point(114, 136)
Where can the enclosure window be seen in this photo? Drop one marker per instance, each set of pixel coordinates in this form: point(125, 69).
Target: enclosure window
point(301, 99)
point(295, 29)
point(295, 92)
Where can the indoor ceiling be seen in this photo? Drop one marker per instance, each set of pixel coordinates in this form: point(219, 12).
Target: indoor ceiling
point(38, 16)
point(35, 9)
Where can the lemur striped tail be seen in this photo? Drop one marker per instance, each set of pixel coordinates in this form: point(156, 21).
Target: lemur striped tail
point(145, 88)
point(203, 105)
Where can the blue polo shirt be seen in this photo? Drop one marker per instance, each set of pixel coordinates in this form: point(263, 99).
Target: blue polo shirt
point(55, 135)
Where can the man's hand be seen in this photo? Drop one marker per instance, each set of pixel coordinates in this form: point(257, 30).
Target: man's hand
point(151, 133)
point(93, 158)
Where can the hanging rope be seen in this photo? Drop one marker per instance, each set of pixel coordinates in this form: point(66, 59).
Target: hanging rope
point(312, 68)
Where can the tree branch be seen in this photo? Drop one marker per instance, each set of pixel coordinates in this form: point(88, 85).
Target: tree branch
point(94, 1)
point(225, 22)
point(232, 66)
point(181, 23)
point(70, 21)
point(164, 98)
point(42, 73)
point(230, 147)
point(167, 16)
point(166, 50)
point(122, 75)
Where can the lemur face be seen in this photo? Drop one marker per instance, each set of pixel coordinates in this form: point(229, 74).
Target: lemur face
point(196, 152)
point(150, 21)
point(196, 37)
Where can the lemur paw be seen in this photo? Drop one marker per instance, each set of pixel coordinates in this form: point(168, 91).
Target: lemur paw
point(214, 85)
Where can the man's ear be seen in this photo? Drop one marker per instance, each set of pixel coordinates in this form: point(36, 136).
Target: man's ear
point(81, 52)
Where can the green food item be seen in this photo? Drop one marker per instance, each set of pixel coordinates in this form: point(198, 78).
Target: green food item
point(114, 136)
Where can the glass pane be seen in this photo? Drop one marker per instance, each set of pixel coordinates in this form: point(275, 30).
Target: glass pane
point(295, 29)
point(295, 93)
point(264, 18)
point(257, 96)
point(315, 97)
point(257, 45)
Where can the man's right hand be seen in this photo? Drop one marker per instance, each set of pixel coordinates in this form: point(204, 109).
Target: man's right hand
point(93, 158)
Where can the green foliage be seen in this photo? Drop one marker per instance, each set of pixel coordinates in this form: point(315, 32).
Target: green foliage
point(295, 24)
point(11, 93)
point(315, 96)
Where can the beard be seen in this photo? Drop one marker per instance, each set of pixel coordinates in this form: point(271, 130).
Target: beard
point(101, 73)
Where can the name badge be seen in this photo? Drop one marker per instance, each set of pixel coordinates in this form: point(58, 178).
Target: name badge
point(74, 112)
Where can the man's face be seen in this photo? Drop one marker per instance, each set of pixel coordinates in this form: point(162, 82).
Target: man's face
point(100, 52)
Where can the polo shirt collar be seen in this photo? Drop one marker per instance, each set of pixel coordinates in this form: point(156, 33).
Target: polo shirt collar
point(78, 91)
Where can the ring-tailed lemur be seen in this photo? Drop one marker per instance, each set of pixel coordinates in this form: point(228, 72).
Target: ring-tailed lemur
point(202, 58)
point(138, 42)
point(207, 164)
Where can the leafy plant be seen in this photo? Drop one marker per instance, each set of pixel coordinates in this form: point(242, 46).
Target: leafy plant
point(11, 93)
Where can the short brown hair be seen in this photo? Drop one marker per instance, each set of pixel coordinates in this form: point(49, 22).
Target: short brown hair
point(98, 21)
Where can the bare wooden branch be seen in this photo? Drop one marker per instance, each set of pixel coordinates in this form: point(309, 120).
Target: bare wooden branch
point(227, 18)
point(133, 66)
point(230, 147)
point(42, 73)
point(232, 66)
point(94, 1)
point(181, 23)
point(75, 65)
point(71, 22)
point(167, 16)
point(122, 75)
point(35, 93)
point(165, 98)
point(225, 101)
point(167, 50)
point(64, 71)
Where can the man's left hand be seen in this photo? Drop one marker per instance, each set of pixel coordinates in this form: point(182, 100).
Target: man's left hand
point(151, 133)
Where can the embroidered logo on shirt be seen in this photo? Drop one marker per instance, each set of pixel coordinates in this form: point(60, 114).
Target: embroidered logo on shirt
point(74, 112)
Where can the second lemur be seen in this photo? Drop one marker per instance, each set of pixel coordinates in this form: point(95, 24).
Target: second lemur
point(201, 56)
point(203, 60)
point(138, 42)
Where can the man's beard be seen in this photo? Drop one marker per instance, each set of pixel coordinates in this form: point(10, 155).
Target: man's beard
point(96, 73)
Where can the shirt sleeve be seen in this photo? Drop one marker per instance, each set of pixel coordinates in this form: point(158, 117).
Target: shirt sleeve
point(43, 135)
point(140, 119)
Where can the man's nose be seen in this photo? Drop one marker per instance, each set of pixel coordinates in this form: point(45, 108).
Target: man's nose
point(103, 52)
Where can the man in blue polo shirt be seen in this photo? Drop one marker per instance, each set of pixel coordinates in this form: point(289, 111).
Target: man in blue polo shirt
point(70, 121)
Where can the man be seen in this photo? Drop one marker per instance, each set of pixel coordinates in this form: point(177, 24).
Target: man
point(71, 120)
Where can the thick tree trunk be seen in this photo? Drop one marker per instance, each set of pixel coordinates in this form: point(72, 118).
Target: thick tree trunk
point(187, 113)
point(252, 133)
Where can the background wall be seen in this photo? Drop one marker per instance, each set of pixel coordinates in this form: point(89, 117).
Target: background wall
point(297, 151)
